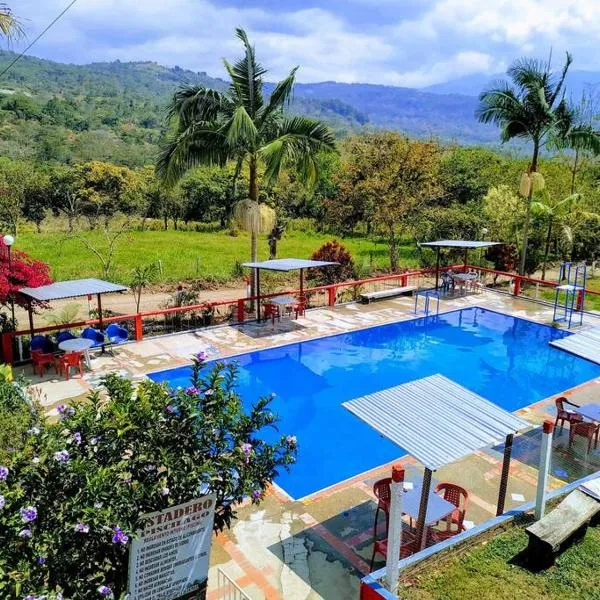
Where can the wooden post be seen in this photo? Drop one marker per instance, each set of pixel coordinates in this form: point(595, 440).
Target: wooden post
point(545, 456)
point(395, 528)
point(504, 477)
point(421, 527)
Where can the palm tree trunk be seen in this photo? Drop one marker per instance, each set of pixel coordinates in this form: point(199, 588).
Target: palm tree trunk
point(574, 171)
point(253, 235)
point(532, 169)
point(547, 248)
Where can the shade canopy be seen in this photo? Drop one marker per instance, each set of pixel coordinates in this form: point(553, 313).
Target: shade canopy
point(288, 264)
point(464, 244)
point(71, 289)
point(436, 420)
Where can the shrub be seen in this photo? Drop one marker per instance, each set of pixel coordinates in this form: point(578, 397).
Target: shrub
point(72, 497)
point(333, 251)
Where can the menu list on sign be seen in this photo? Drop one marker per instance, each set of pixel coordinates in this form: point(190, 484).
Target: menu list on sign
point(170, 557)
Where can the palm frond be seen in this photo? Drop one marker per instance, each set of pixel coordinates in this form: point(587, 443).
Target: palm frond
point(280, 96)
point(197, 103)
point(558, 86)
point(10, 26)
point(240, 130)
point(199, 144)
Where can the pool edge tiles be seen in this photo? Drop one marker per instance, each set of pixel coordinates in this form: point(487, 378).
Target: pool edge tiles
point(482, 349)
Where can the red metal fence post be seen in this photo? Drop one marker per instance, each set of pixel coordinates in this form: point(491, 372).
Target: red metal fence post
point(517, 290)
point(331, 292)
point(404, 280)
point(241, 303)
point(7, 348)
point(137, 328)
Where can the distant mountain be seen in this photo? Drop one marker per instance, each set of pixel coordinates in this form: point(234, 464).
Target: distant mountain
point(472, 85)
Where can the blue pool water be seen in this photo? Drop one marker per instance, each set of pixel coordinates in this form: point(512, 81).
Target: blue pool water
point(505, 359)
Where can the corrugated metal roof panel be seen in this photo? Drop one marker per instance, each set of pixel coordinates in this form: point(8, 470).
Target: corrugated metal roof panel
point(71, 289)
point(287, 264)
point(436, 420)
point(460, 244)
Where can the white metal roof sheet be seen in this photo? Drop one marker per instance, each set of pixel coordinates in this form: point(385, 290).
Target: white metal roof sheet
point(71, 289)
point(287, 264)
point(460, 244)
point(436, 420)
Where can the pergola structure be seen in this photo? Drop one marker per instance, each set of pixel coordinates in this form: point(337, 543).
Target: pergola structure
point(74, 288)
point(465, 245)
point(283, 265)
point(438, 421)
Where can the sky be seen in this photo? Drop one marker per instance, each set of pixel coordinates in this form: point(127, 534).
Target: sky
point(413, 43)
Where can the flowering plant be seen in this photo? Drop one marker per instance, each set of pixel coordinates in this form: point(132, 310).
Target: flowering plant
point(67, 518)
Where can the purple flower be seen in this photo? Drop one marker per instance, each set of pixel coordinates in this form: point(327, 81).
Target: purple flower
point(201, 356)
point(2, 501)
point(94, 441)
point(76, 438)
point(28, 514)
point(192, 390)
point(61, 456)
point(98, 504)
point(30, 597)
point(209, 392)
point(59, 596)
point(127, 481)
point(82, 528)
point(119, 537)
point(291, 441)
point(169, 409)
point(256, 494)
point(246, 450)
point(150, 468)
point(41, 560)
point(105, 591)
point(25, 533)
point(3, 473)
point(64, 412)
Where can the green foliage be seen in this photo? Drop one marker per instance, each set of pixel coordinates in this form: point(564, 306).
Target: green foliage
point(89, 477)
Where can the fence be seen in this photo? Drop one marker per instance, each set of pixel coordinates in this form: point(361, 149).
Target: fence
point(15, 345)
point(227, 589)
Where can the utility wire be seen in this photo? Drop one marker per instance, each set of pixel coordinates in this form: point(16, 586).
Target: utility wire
point(14, 62)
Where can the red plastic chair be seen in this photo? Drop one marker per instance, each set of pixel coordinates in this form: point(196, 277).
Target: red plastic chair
point(71, 360)
point(460, 498)
point(272, 311)
point(408, 547)
point(586, 430)
point(563, 414)
point(300, 307)
point(40, 360)
point(383, 493)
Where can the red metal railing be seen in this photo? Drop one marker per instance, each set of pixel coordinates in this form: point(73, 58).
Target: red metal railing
point(186, 318)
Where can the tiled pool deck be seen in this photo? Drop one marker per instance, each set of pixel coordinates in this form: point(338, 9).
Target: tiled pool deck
point(320, 546)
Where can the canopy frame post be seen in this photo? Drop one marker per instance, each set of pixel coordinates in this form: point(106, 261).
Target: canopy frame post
point(466, 262)
point(100, 321)
point(437, 268)
point(505, 472)
point(421, 527)
point(257, 283)
point(30, 314)
point(301, 282)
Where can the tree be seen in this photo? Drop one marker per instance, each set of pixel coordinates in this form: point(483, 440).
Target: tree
point(275, 236)
point(15, 176)
point(533, 108)
point(504, 213)
point(109, 460)
point(213, 127)
point(141, 278)
point(10, 27)
point(65, 196)
point(394, 176)
point(105, 248)
point(36, 199)
point(333, 251)
point(23, 271)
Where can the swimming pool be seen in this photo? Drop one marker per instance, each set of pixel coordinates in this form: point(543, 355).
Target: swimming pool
point(503, 358)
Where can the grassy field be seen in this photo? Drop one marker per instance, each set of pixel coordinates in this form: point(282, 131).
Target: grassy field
point(187, 254)
point(488, 573)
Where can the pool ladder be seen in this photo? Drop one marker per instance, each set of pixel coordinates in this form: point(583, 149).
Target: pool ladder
point(427, 295)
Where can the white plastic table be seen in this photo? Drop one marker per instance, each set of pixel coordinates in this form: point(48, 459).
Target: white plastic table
point(437, 507)
point(283, 300)
point(78, 345)
point(589, 411)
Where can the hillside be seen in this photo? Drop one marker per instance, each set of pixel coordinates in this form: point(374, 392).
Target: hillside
point(115, 111)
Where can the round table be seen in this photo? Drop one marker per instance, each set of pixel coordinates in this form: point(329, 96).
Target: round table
point(78, 345)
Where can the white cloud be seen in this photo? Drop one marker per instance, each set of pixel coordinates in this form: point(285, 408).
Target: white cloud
point(344, 41)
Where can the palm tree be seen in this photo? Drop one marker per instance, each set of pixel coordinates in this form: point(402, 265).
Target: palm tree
point(10, 27)
point(240, 124)
point(532, 108)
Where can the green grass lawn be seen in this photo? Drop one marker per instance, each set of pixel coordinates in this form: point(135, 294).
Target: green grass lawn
point(187, 254)
point(592, 301)
point(486, 573)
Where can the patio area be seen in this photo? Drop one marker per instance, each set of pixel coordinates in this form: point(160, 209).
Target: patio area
point(320, 546)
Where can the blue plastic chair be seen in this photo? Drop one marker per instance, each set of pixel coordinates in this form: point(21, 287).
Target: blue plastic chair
point(95, 335)
point(38, 342)
point(63, 336)
point(116, 334)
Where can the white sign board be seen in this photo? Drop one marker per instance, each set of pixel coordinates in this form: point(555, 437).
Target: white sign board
point(169, 557)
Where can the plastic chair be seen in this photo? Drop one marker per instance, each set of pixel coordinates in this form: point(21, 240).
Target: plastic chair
point(116, 334)
point(586, 430)
point(71, 360)
point(38, 342)
point(563, 414)
point(89, 333)
point(300, 307)
point(63, 336)
point(40, 360)
point(272, 310)
point(383, 493)
point(460, 498)
point(408, 546)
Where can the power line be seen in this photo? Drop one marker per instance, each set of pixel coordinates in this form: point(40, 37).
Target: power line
point(20, 56)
